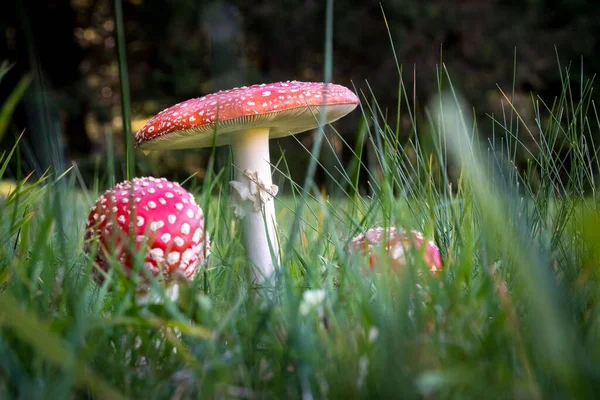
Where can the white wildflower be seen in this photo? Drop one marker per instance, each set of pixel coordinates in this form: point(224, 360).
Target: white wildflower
point(312, 300)
point(373, 334)
point(363, 370)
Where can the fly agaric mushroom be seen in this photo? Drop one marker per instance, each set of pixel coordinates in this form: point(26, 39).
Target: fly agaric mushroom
point(246, 118)
point(168, 227)
point(397, 242)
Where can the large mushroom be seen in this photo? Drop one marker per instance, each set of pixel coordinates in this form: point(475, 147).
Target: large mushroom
point(167, 224)
point(246, 118)
point(396, 243)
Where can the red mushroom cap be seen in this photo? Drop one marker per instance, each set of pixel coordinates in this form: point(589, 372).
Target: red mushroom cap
point(168, 223)
point(396, 242)
point(284, 107)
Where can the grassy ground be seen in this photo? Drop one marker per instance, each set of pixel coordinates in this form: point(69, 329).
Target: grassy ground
point(515, 312)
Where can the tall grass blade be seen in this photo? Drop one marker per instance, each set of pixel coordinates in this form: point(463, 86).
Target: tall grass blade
point(320, 130)
point(9, 105)
point(124, 86)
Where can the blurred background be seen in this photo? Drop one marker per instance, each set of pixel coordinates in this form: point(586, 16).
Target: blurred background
point(63, 57)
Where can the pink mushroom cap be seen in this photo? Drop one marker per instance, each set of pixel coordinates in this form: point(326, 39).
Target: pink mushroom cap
point(168, 227)
point(285, 108)
point(397, 242)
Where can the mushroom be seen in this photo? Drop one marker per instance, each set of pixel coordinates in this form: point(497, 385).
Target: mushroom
point(168, 227)
point(397, 241)
point(246, 118)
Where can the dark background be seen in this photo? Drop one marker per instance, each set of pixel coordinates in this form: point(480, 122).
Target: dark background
point(178, 49)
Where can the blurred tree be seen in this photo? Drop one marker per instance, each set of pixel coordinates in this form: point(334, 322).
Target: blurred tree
point(38, 39)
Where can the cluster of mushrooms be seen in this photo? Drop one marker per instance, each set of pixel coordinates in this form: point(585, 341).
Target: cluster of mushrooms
point(160, 221)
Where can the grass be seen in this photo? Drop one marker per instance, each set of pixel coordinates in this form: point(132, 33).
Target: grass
point(515, 313)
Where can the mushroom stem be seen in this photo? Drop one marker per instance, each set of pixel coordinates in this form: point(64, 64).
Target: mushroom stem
point(253, 199)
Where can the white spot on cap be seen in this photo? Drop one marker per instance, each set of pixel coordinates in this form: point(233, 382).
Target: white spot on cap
point(190, 213)
point(151, 190)
point(179, 206)
point(192, 118)
point(418, 235)
point(196, 237)
point(165, 237)
point(185, 228)
point(187, 256)
point(178, 241)
point(172, 218)
point(162, 201)
point(397, 252)
point(173, 257)
point(151, 204)
point(157, 254)
point(191, 267)
point(150, 266)
point(266, 93)
point(251, 103)
point(156, 225)
point(121, 219)
point(169, 195)
point(151, 129)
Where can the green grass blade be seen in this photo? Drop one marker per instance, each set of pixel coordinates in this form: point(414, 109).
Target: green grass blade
point(124, 86)
point(11, 102)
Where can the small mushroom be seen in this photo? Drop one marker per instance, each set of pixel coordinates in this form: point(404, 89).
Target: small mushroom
point(396, 241)
point(246, 118)
point(168, 226)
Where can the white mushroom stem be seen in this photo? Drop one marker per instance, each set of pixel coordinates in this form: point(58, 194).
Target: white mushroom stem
point(253, 193)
